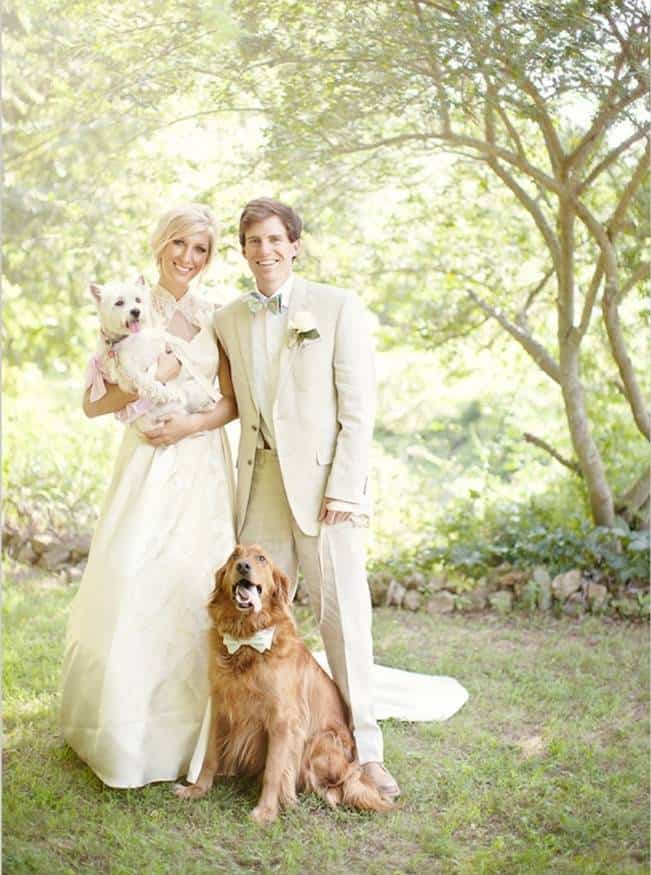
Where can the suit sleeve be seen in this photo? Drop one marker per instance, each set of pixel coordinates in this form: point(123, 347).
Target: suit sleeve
point(354, 375)
point(217, 331)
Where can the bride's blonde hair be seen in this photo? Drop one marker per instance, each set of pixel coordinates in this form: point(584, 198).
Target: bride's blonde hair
point(182, 220)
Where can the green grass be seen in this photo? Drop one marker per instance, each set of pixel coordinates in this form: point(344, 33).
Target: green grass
point(543, 771)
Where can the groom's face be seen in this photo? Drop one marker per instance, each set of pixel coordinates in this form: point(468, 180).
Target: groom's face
point(269, 253)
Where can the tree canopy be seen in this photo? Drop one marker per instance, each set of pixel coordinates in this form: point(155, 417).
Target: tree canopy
point(476, 166)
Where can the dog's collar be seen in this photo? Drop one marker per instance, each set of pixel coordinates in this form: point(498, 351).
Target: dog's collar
point(111, 342)
point(260, 641)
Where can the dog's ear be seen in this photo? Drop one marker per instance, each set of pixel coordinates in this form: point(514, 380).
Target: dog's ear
point(282, 585)
point(219, 579)
point(96, 291)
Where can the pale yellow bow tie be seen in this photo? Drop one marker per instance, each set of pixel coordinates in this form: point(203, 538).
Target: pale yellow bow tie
point(256, 301)
point(260, 641)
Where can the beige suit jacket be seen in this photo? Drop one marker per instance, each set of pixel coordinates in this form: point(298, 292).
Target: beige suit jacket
point(324, 407)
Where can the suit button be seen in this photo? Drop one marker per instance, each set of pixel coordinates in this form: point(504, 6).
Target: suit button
point(250, 462)
point(254, 427)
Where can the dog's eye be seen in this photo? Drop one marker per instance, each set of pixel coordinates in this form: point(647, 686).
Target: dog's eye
point(138, 301)
point(262, 558)
point(259, 588)
point(119, 302)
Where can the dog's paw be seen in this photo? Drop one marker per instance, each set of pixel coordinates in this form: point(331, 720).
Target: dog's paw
point(264, 814)
point(333, 796)
point(194, 791)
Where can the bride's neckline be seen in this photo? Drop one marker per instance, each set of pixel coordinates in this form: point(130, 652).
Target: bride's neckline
point(160, 289)
point(190, 305)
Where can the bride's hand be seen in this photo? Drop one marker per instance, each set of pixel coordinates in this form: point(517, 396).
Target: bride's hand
point(172, 429)
point(168, 367)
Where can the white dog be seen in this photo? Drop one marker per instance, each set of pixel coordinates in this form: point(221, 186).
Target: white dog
point(129, 351)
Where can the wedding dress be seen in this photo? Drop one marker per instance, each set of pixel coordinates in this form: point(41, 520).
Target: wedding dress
point(134, 684)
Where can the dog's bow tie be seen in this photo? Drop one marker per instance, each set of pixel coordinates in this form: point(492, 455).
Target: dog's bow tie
point(255, 301)
point(260, 641)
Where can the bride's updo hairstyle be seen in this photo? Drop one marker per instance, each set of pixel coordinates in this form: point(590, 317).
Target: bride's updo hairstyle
point(181, 221)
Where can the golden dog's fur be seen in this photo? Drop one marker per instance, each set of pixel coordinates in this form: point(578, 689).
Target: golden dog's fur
point(276, 713)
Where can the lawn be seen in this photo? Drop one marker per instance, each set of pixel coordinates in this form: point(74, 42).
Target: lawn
point(544, 770)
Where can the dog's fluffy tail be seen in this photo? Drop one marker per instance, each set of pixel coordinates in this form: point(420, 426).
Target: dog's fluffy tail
point(328, 768)
point(358, 792)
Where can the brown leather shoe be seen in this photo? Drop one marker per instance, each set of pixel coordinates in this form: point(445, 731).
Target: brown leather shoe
point(383, 779)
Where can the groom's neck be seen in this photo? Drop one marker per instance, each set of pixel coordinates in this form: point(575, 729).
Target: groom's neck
point(271, 286)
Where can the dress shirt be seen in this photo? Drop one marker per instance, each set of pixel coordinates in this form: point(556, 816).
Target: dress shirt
point(268, 334)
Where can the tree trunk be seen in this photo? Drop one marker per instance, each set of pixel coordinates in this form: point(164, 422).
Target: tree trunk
point(622, 359)
point(634, 504)
point(599, 492)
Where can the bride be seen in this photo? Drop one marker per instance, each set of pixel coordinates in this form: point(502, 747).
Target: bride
point(134, 683)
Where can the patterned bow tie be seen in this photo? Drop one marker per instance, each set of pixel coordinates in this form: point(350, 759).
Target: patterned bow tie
point(260, 641)
point(256, 301)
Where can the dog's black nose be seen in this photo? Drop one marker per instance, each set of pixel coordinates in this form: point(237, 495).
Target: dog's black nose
point(243, 567)
point(135, 312)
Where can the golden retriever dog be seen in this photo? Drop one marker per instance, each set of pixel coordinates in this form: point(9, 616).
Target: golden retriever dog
point(274, 712)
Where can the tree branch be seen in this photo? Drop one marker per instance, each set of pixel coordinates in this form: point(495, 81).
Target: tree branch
point(590, 298)
point(512, 132)
point(640, 71)
point(554, 148)
point(613, 155)
point(609, 307)
point(539, 442)
point(634, 394)
point(599, 125)
point(546, 181)
point(642, 271)
point(435, 70)
point(614, 223)
point(533, 209)
point(535, 349)
point(533, 294)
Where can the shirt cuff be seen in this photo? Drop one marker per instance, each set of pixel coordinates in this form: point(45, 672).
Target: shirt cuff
point(342, 506)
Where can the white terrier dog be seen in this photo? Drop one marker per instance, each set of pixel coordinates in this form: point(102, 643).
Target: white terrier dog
point(129, 351)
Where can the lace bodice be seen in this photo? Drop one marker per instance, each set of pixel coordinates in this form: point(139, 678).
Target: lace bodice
point(183, 317)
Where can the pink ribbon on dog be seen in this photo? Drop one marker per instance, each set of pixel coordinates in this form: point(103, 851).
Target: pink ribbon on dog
point(134, 410)
point(95, 379)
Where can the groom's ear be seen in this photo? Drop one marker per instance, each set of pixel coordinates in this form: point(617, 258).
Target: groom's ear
point(282, 585)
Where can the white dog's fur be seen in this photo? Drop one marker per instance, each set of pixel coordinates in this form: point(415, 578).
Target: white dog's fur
point(130, 349)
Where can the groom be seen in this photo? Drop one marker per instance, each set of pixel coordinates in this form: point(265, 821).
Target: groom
point(302, 367)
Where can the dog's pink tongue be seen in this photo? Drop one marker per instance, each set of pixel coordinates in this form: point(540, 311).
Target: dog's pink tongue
point(134, 327)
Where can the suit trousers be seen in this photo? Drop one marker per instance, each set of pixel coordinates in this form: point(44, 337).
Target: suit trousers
point(333, 567)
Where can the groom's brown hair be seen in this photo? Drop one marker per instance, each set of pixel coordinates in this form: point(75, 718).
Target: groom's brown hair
point(261, 208)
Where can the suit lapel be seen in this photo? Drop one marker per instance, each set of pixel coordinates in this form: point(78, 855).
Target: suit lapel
point(243, 326)
point(287, 353)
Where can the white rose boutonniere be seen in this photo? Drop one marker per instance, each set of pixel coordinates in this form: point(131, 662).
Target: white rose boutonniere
point(302, 327)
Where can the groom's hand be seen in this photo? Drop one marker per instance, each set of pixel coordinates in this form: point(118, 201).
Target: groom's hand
point(332, 517)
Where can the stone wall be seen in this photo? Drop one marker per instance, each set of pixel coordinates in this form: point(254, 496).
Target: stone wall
point(504, 589)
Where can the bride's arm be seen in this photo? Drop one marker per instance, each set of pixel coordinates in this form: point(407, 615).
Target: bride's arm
point(115, 399)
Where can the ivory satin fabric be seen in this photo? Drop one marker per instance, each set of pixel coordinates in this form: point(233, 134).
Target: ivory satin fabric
point(134, 684)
